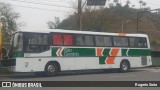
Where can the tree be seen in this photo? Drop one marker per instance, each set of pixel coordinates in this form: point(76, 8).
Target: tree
point(128, 2)
point(8, 18)
point(115, 1)
point(144, 4)
point(140, 2)
point(54, 24)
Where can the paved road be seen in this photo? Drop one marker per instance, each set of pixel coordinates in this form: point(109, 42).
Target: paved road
point(142, 74)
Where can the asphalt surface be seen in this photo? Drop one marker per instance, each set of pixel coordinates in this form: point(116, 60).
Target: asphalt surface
point(141, 74)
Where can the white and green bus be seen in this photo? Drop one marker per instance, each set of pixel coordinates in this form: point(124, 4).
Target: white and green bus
point(63, 50)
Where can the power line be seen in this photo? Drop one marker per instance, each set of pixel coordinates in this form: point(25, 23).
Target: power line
point(39, 8)
point(47, 4)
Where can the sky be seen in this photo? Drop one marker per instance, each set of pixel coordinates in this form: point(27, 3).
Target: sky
point(34, 14)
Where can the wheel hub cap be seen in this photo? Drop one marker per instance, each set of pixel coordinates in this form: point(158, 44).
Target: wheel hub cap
point(51, 68)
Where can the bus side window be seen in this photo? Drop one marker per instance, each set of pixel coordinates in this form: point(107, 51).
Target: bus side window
point(89, 40)
point(68, 39)
point(99, 41)
point(107, 41)
point(142, 42)
point(134, 42)
point(57, 39)
point(35, 43)
point(117, 41)
point(124, 41)
point(31, 45)
point(79, 40)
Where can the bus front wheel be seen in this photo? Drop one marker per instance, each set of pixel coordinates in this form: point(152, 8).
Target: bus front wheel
point(124, 66)
point(51, 69)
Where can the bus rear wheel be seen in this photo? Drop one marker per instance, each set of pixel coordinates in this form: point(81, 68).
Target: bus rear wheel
point(124, 66)
point(51, 69)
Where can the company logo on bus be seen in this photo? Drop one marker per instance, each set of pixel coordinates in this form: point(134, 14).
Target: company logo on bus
point(69, 52)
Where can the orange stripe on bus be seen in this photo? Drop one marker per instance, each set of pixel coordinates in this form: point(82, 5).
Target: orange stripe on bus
point(113, 53)
point(99, 51)
point(122, 34)
point(110, 60)
point(59, 51)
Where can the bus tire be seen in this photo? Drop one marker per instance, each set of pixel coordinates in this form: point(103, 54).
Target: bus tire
point(51, 69)
point(124, 66)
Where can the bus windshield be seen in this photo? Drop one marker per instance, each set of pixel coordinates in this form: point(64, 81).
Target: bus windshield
point(16, 44)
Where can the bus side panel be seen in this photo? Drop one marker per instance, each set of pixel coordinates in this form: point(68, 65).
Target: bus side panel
point(134, 62)
point(32, 64)
point(66, 63)
point(76, 63)
point(87, 63)
point(149, 60)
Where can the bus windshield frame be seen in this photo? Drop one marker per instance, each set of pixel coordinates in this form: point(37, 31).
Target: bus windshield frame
point(16, 44)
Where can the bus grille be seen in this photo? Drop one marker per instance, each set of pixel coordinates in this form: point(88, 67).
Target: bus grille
point(144, 60)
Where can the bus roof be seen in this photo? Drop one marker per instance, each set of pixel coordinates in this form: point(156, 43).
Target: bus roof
point(86, 32)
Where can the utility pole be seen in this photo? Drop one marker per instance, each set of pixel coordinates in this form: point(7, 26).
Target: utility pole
point(137, 22)
point(1, 26)
point(79, 19)
point(89, 3)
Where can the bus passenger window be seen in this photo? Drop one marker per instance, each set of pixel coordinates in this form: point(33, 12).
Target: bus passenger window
point(35, 42)
point(107, 41)
point(124, 41)
point(68, 39)
point(89, 40)
point(117, 41)
point(134, 42)
point(99, 40)
point(80, 40)
point(57, 39)
point(142, 42)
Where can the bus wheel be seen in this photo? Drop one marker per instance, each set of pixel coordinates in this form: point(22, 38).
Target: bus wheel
point(124, 66)
point(51, 69)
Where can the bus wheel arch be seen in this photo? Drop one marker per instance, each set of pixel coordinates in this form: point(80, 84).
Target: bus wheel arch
point(124, 65)
point(51, 68)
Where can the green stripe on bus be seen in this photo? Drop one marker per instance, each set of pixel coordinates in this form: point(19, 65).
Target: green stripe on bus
point(74, 52)
point(136, 52)
point(19, 54)
point(124, 51)
point(102, 60)
point(106, 52)
point(79, 52)
point(54, 50)
point(139, 52)
point(89, 52)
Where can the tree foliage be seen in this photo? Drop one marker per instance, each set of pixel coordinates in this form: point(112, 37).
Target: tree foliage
point(110, 19)
point(54, 24)
point(9, 20)
point(99, 19)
